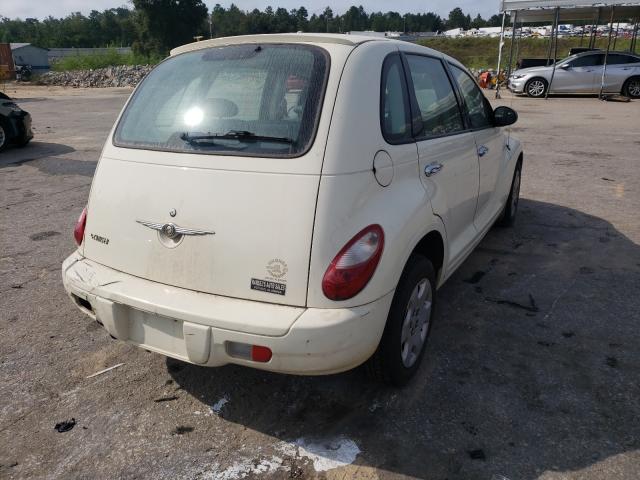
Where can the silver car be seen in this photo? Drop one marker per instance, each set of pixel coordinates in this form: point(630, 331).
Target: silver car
point(582, 73)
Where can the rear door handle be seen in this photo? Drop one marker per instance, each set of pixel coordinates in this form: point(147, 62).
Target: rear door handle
point(432, 169)
point(482, 151)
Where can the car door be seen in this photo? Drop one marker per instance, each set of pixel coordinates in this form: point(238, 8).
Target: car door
point(490, 146)
point(619, 68)
point(448, 163)
point(580, 75)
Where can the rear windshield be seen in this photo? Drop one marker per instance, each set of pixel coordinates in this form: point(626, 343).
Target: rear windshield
point(249, 100)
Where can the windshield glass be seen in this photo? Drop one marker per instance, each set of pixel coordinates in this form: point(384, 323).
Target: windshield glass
point(251, 100)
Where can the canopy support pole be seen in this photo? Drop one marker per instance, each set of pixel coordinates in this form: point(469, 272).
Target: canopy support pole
point(634, 37)
point(549, 50)
point(518, 45)
point(606, 55)
point(504, 16)
point(513, 41)
point(594, 27)
point(555, 52)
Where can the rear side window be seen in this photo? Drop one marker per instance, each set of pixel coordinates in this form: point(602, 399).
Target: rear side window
point(436, 99)
point(394, 102)
point(480, 113)
point(619, 59)
point(249, 100)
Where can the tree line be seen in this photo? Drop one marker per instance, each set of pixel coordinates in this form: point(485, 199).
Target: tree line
point(155, 26)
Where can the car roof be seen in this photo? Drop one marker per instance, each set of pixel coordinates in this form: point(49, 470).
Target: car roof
point(312, 38)
point(599, 51)
point(327, 38)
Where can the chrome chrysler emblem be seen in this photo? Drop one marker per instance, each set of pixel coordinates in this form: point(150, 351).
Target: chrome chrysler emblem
point(173, 231)
point(169, 230)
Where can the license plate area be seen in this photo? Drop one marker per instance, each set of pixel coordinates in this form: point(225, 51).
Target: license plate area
point(155, 332)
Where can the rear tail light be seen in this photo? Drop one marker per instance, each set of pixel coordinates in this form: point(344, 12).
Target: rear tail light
point(354, 265)
point(78, 232)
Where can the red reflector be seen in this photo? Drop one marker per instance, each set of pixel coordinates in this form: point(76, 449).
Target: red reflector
point(78, 232)
point(260, 354)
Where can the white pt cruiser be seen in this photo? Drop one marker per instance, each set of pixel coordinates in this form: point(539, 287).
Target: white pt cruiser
point(292, 203)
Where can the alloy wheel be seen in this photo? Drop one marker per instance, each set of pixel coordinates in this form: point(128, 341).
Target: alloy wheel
point(634, 87)
point(3, 136)
point(536, 88)
point(416, 322)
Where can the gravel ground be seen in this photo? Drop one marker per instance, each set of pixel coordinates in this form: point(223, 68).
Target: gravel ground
point(531, 373)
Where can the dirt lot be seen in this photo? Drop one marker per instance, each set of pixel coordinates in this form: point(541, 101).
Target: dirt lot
point(532, 370)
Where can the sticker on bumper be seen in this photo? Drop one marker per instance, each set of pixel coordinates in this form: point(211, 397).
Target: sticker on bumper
point(268, 287)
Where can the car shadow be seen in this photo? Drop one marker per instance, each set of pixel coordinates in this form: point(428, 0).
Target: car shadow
point(532, 366)
point(49, 158)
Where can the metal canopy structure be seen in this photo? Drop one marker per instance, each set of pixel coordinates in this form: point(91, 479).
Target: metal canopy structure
point(555, 11)
point(621, 12)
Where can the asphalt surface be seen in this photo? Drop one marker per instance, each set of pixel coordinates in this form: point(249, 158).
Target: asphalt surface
point(532, 370)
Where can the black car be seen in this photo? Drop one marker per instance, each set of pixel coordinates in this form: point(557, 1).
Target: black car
point(15, 124)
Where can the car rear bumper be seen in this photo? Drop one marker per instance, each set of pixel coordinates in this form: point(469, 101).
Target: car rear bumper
point(193, 327)
point(21, 124)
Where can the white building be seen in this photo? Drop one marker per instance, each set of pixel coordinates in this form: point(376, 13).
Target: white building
point(456, 32)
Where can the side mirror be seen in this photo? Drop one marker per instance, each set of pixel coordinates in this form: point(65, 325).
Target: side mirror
point(504, 116)
point(565, 66)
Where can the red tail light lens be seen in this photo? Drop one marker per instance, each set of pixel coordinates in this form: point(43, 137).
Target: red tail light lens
point(78, 232)
point(354, 265)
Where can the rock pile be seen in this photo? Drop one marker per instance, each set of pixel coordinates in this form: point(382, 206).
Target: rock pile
point(116, 76)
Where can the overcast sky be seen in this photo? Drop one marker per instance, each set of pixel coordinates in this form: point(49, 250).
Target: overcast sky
point(60, 8)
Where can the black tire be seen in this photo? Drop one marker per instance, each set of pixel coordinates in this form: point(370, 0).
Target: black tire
point(22, 142)
point(4, 135)
point(387, 364)
point(508, 217)
point(631, 87)
point(536, 87)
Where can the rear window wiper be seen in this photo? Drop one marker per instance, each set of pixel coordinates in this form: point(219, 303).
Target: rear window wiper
point(242, 135)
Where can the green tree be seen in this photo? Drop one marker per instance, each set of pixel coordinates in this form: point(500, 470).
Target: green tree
point(165, 24)
point(478, 22)
point(301, 16)
point(457, 19)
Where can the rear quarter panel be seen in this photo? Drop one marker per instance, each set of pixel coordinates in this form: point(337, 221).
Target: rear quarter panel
point(349, 196)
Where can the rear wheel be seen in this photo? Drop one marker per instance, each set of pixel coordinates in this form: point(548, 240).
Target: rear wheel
point(508, 217)
point(408, 325)
point(536, 87)
point(631, 88)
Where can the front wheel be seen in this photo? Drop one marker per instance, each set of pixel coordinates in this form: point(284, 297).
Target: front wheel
point(536, 87)
point(631, 88)
point(4, 139)
point(408, 325)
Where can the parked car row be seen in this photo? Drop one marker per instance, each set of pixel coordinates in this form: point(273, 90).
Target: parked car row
point(581, 73)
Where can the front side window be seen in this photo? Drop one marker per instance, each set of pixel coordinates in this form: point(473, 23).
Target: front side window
point(250, 100)
point(435, 96)
point(394, 103)
point(588, 61)
point(480, 113)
